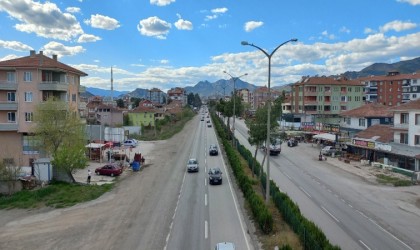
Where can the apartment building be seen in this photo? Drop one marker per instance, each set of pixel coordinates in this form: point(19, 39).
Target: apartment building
point(260, 96)
point(24, 83)
point(324, 98)
point(156, 95)
point(392, 89)
point(179, 94)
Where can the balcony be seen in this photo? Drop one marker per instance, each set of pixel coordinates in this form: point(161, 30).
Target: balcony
point(401, 126)
point(8, 106)
point(310, 93)
point(8, 126)
point(53, 86)
point(5, 85)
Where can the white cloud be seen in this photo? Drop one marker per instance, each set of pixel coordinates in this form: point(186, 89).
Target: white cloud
point(210, 17)
point(369, 31)
point(96, 60)
point(251, 25)
point(164, 61)
point(412, 2)
point(45, 20)
point(55, 48)
point(73, 9)
point(86, 38)
point(182, 24)
point(329, 36)
point(344, 30)
point(153, 26)
point(219, 10)
point(397, 26)
point(9, 57)
point(161, 2)
point(102, 22)
point(15, 45)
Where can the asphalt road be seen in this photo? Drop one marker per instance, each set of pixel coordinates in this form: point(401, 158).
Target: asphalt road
point(352, 213)
point(206, 214)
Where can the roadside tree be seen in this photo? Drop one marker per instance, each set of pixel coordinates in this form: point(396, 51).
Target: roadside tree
point(61, 136)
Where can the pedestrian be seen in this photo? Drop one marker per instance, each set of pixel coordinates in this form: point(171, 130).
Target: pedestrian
point(89, 176)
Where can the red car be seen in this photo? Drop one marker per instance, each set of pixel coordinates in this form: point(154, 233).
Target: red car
point(109, 169)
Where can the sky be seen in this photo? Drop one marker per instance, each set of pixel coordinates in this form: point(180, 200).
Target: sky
point(178, 43)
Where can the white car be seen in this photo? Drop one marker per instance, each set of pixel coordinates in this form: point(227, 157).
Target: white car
point(130, 143)
point(192, 165)
point(225, 246)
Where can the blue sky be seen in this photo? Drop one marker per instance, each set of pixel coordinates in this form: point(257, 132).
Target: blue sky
point(169, 43)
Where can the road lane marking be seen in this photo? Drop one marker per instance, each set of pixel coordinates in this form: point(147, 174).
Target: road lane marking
point(328, 212)
point(205, 181)
point(205, 200)
point(206, 230)
point(287, 176)
point(364, 244)
point(303, 190)
point(393, 236)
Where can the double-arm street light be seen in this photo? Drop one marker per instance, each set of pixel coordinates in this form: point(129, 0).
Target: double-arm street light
point(234, 98)
point(267, 188)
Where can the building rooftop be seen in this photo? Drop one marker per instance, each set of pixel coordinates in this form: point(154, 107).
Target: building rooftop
point(324, 80)
point(369, 110)
point(411, 105)
point(378, 132)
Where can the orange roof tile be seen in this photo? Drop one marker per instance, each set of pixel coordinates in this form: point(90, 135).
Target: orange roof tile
point(378, 132)
point(369, 110)
point(415, 104)
point(323, 80)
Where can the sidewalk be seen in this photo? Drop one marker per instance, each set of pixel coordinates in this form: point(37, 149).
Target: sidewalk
point(143, 147)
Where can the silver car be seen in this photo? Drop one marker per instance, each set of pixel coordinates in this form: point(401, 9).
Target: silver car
point(225, 246)
point(192, 165)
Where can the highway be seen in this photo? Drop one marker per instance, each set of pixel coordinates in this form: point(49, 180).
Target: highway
point(339, 203)
point(206, 214)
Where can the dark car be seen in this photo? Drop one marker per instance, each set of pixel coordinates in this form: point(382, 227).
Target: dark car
point(215, 176)
point(292, 143)
point(109, 169)
point(213, 150)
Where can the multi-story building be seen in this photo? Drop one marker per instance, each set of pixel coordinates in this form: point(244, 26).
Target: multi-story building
point(392, 89)
point(178, 94)
point(324, 98)
point(244, 95)
point(24, 83)
point(156, 95)
point(260, 96)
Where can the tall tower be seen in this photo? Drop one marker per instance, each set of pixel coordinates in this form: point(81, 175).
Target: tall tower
point(112, 87)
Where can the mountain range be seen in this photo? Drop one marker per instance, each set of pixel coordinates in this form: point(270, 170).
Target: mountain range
point(225, 87)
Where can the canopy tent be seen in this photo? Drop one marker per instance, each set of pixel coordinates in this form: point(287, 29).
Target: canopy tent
point(325, 136)
point(95, 145)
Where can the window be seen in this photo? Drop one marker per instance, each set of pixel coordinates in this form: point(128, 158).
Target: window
point(343, 107)
point(414, 88)
point(30, 144)
point(11, 77)
point(29, 116)
point(404, 138)
point(416, 139)
point(417, 119)
point(11, 96)
point(11, 117)
point(348, 121)
point(362, 122)
point(343, 98)
point(349, 89)
point(349, 98)
point(73, 97)
point(28, 96)
point(404, 118)
point(27, 77)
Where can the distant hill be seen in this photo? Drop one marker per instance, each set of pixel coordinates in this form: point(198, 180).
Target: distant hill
point(404, 67)
point(105, 92)
point(220, 87)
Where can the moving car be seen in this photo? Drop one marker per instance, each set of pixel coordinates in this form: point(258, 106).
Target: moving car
point(192, 165)
point(213, 150)
point(209, 125)
point(215, 176)
point(225, 246)
point(292, 143)
point(130, 143)
point(328, 150)
point(109, 169)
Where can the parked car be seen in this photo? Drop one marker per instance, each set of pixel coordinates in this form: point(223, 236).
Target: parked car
point(208, 121)
point(109, 169)
point(130, 143)
point(225, 246)
point(328, 150)
point(192, 165)
point(215, 176)
point(213, 150)
point(292, 143)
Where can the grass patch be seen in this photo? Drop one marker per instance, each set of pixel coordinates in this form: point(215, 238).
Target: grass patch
point(57, 195)
point(395, 181)
point(166, 129)
point(282, 234)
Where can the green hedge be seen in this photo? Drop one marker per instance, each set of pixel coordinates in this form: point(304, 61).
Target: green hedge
point(310, 235)
point(259, 210)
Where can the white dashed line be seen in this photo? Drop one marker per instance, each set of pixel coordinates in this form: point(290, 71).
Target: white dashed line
point(328, 212)
point(206, 230)
point(364, 244)
point(303, 190)
point(205, 200)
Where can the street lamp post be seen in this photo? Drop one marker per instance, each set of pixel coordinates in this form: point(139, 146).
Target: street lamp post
point(267, 188)
point(234, 98)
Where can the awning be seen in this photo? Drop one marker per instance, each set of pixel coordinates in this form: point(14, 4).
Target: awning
point(95, 145)
point(325, 136)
